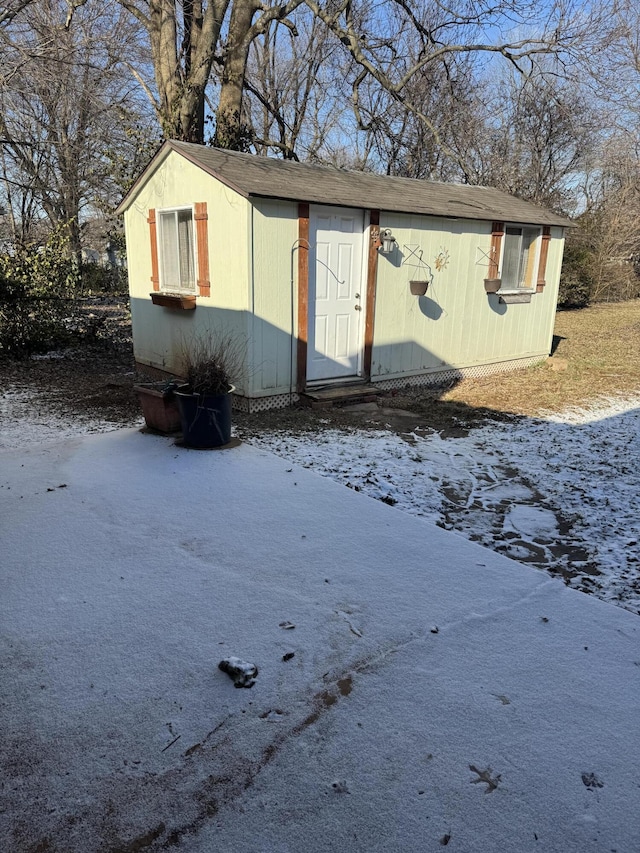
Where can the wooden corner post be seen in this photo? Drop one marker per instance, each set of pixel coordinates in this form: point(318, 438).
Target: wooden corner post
point(303, 294)
point(372, 281)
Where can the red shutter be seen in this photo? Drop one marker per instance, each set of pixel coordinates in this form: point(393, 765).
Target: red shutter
point(155, 277)
point(202, 242)
point(544, 252)
point(497, 232)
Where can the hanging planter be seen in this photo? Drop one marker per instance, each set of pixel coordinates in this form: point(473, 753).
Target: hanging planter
point(418, 288)
point(492, 285)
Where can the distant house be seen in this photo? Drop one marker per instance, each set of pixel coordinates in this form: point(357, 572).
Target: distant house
point(90, 256)
point(318, 272)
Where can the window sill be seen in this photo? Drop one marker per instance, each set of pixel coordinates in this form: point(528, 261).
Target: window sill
point(515, 297)
point(177, 301)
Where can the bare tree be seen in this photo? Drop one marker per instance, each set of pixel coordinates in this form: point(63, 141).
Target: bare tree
point(602, 254)
point(383, 45)
point(65, 112)
point(609, 228)
point(11, 10)
point(534, 139)
point(185, 39)
point(294, 93)
point(400, 143)
point(190, 39)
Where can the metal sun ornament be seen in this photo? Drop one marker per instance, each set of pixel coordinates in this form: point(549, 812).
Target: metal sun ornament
point(442, 260)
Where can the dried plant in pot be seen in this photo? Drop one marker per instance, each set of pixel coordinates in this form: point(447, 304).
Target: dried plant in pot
point(210, 365)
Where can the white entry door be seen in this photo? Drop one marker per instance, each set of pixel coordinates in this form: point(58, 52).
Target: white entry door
point(336, 293)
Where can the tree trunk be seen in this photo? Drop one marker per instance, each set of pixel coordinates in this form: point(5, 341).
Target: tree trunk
point(231, 131)
point(182, 76)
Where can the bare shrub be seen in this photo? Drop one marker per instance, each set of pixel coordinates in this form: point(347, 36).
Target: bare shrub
point(213, 362)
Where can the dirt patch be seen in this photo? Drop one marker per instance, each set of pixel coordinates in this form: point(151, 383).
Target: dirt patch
point(95, 379)
point(422, 408)
point(91, 380)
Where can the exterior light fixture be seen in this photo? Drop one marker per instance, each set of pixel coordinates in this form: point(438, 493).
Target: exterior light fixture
point(388, 241)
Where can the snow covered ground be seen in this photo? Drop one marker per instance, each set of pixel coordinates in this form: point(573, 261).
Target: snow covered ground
point(561, 493)
point(414, 690)
point(28, 419)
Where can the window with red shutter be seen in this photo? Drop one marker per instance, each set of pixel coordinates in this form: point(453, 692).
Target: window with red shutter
point(180, 249)
point(517, 260)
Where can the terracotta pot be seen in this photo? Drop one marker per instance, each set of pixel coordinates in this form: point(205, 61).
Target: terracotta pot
point(159, 406)
point(418, 288)
point(492, 285)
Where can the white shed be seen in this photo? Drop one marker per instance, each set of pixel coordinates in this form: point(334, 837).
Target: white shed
point(314, 269)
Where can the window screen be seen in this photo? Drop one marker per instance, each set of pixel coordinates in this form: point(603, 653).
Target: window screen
point(518, 259)
point(176, 250)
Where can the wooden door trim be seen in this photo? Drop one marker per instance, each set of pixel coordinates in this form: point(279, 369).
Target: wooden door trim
point(372, 281)
point(303, 295)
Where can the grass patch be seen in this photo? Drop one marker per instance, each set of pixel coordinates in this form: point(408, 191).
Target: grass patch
point(596, 348)
point(599, 349)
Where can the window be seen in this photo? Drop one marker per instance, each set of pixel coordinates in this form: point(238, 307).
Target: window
point(177, 251)
point(520, 250)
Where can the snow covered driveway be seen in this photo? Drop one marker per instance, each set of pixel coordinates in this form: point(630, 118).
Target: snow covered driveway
point(562, 494)
point(414, 690)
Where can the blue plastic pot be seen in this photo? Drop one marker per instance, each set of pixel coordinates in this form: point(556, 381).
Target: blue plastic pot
point(205, 419)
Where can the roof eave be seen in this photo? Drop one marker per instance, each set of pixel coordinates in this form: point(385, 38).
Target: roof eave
point(545, 216)
point(153, 163)
point(190, 153)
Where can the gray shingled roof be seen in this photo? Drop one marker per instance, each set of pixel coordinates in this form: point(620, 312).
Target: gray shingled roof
point(283, 179)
